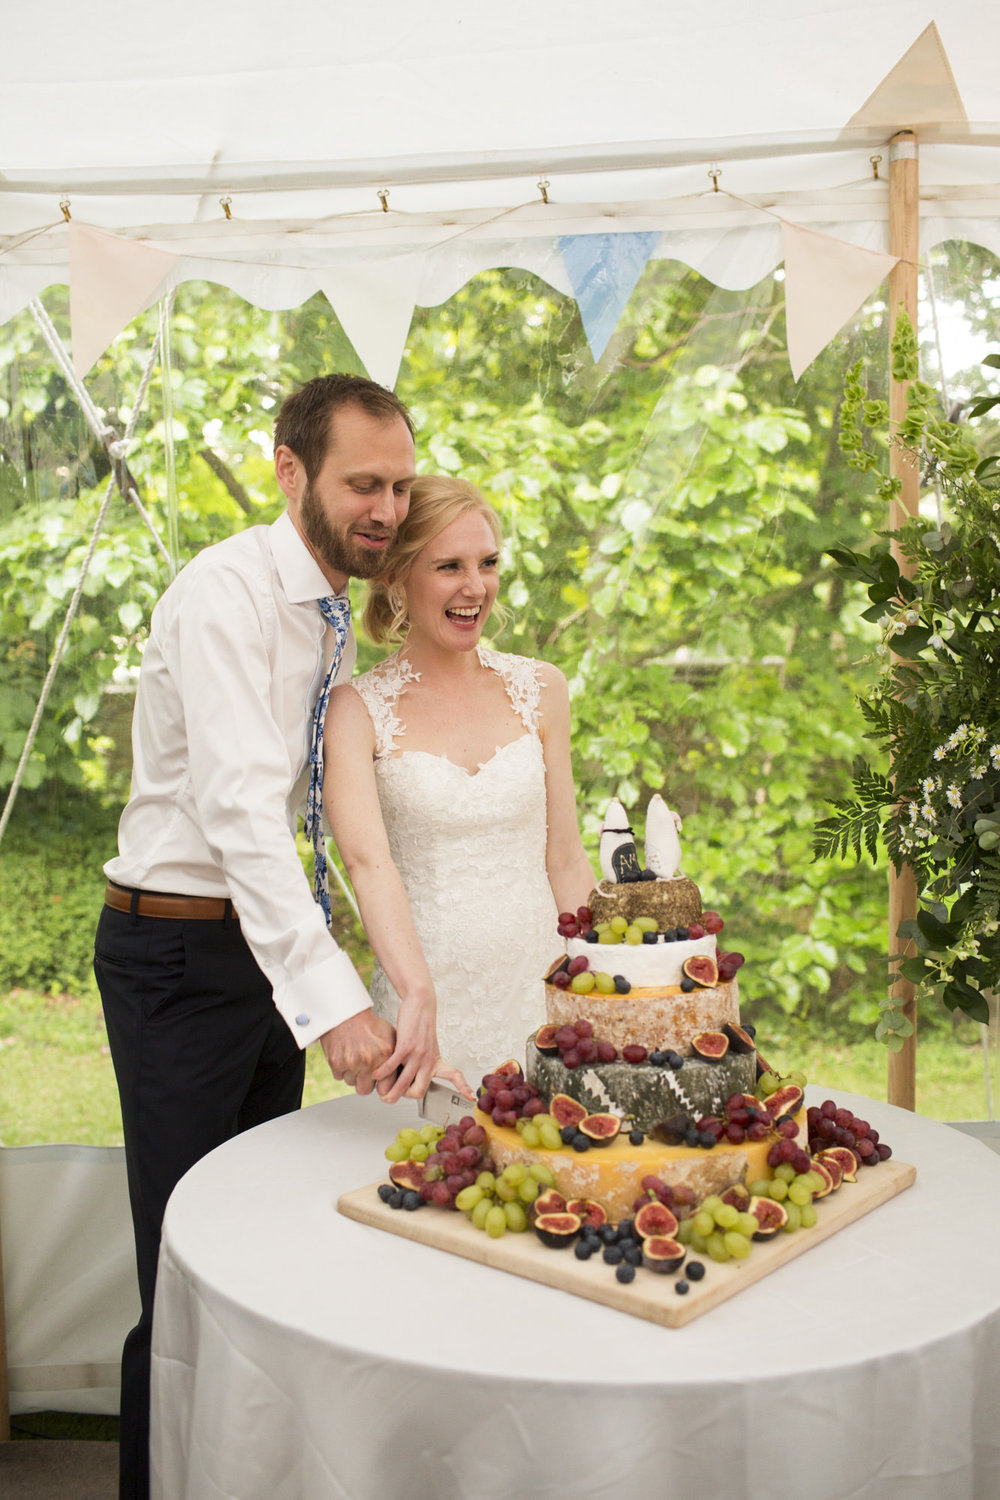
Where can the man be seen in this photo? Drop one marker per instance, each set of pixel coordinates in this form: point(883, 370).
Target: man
point(215, 965)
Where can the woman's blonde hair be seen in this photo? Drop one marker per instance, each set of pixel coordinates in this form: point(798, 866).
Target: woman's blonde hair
point(435, 501)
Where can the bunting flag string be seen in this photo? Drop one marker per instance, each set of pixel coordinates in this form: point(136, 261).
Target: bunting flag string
point(374, 301)
point(111, 281)
point(826, 281)
point(603, 270)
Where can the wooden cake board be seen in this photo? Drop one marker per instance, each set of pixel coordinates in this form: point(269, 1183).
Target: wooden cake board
point(650, 1295)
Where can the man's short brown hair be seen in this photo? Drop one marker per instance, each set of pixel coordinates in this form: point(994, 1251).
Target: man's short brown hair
point(303, 422)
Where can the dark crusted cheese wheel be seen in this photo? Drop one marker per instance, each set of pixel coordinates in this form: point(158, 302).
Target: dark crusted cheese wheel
point(643, 1092)
point(670, 903)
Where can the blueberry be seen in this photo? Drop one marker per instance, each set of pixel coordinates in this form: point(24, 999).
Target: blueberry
point(622, 986)
point(412, 1200)
point(683, 934)
point(657, 1058)
point(681, 1288)
point(386, 1191)
point(687, 984)
point(583, 1250)
point(612, 1255)
point(695, 1270)
point(633, 1254)
point(625, 1273)
point(675, 1061)
point(706, 1139)
point(580, 1142)
point(590, 936)
point(635, 1137)
point(566, 1134)
point(396, 1201)
point(692, 1137)
point(751, 1031)
point(650, 937)
point(670, 935)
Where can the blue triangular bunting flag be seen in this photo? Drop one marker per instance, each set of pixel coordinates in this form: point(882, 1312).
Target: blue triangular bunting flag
point(603, 270)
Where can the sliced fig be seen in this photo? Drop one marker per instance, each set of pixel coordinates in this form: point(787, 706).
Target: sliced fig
point(589, 1213)
point(550, 1202)
point(831, 1174)
point(740, 1041)
point(656, 1220)
point(601, 1129)
point(511, 1066)
point(662, 1253)
point(763, 1066)
point(566, 1111)
point(845, 1159)
point(785, 1101)
point(545, 1040)
point(557, 1230)
point(711, 1044)
point(770, 1216)
point(408, 1174)
point(557, 968)
point(738, 1195)
point(702, 969)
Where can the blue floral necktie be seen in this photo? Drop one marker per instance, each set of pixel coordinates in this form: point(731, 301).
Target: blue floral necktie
point(337, 612)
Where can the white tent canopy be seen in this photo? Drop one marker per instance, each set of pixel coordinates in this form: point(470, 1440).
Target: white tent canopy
point(384, 154)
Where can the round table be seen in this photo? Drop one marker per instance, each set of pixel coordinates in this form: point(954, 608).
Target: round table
point(299, 1355)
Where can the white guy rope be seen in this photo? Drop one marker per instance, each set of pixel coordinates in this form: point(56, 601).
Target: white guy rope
point(60, 648)
point(116, 448)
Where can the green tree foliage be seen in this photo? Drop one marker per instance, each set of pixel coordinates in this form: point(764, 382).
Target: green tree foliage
point(667, 510)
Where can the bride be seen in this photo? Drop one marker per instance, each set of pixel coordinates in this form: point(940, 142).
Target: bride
point(451, 800)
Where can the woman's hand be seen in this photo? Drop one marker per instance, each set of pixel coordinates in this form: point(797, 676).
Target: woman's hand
point(416, 1058)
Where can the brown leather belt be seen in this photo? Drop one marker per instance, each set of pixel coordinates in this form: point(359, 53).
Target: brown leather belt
point(160, 904)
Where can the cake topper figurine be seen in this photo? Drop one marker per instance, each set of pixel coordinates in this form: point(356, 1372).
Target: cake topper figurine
point(616, 851)
point(663, 847)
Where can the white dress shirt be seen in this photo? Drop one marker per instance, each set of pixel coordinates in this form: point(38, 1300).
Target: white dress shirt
point(220, 746)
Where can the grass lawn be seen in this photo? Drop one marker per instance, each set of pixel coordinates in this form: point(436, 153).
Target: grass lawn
point(57, 1082)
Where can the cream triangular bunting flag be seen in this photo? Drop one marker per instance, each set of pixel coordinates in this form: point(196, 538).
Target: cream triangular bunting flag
point(111, 280)
point(919, 90)
point(826, 281)
point(375, 303)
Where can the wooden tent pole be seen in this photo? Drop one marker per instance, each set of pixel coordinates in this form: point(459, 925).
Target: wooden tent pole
point(904, 241)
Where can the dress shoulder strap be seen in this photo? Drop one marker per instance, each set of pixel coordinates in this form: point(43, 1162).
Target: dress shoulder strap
point(519, 675)
point(378, 690)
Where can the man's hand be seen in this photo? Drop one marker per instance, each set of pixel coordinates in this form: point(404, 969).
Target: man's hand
point(357, 1048)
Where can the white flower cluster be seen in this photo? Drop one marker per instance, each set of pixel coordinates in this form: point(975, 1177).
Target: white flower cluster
point(942, 795)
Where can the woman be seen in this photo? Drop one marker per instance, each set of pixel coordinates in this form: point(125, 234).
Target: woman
point(453, 803)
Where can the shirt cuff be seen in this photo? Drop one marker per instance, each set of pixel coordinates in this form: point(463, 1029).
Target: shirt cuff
point(328, 994)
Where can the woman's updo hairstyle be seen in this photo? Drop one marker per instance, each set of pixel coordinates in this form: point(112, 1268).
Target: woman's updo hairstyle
point(435, 501)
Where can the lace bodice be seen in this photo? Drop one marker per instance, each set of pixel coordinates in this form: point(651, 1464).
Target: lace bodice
point(471, 852)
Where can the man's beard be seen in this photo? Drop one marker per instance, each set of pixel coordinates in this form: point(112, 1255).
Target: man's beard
point(334, 546)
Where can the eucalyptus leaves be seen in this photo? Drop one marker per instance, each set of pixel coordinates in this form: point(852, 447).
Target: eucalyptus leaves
point(935, 706)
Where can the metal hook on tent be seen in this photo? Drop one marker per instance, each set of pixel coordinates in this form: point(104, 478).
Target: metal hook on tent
point(875, 161)
point(383, 197)
point(543, 188)
point(226, 204)
point(64, 205)
point(715, 173)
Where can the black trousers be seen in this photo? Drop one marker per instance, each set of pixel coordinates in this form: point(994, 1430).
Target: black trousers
point(200, 1054)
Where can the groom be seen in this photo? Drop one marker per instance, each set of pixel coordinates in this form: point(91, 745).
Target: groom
point(215, 965)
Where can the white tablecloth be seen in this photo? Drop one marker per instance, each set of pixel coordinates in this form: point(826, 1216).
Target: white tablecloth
point(299, 1355)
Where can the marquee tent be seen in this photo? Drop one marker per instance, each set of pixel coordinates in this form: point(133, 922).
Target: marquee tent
point(384, 154)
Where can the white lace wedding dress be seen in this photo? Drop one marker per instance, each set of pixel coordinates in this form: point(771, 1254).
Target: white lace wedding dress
point(471, 852)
